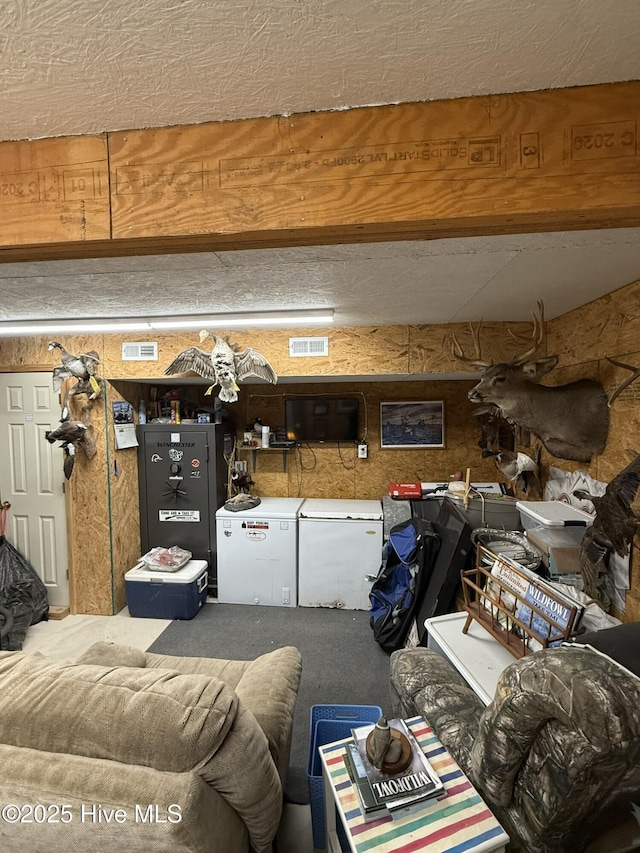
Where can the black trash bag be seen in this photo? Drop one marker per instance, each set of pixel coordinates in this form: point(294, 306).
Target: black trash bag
point(22, 593)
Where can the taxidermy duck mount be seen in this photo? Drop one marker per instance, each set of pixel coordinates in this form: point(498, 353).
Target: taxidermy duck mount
point(76, 376)
point(73, 435)
point(613, 528)
point(81, 368)
point(225, 366)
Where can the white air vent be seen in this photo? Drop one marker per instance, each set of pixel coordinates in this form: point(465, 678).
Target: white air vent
point(140, 351)
point(299, 347)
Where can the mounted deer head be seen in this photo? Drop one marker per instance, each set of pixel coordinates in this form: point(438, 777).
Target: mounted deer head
point(572, 420)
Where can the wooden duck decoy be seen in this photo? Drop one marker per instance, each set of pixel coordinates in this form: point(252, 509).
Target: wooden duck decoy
point(381, 746)
point(225, 365)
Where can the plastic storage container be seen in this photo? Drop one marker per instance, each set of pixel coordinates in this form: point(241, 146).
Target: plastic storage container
point(162, 595)
point(499, 511)
point(556, 537)
point(327, 724)
point(554, 514)
point(560, 547)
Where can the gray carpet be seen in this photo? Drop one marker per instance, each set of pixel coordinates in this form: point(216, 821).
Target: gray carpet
point(341, 662)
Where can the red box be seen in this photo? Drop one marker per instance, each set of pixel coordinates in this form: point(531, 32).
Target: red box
point(405, 491)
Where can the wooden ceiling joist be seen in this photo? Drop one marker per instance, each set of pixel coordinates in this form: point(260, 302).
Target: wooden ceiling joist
point(537, 161)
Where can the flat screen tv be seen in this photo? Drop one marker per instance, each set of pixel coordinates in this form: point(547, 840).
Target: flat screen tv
point(320, 418)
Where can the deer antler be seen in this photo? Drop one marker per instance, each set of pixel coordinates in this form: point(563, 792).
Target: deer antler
point(537, 335)
point(635, 371)
point(458, 352)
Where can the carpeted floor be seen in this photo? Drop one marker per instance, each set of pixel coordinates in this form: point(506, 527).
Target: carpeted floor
point(341, 662)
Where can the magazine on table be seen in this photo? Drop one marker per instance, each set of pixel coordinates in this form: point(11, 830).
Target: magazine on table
point(368, 806)
point(390, 792)
point(358, 775)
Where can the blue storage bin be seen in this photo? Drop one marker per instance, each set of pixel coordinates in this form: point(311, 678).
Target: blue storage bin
point(327, 724)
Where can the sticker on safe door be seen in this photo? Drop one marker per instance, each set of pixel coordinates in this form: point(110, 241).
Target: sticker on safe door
point(178, 515)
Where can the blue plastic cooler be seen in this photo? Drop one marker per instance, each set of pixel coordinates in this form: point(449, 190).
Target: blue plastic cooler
point(167, 595)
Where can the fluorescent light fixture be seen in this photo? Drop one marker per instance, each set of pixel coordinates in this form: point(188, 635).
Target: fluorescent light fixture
point(304, 317)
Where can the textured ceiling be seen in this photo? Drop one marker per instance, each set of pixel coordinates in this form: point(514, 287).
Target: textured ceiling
point(87, 66)
point(437, 281)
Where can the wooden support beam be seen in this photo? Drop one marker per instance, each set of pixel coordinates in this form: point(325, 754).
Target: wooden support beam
point(54, 192)
point(536, 161)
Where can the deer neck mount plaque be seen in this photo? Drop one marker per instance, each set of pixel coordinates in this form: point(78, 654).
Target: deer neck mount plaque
point(572, 420)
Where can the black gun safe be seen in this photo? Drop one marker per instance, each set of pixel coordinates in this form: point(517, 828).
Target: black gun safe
point(182, 476)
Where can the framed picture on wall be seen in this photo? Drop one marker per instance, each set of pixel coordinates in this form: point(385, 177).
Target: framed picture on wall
point(412, 424)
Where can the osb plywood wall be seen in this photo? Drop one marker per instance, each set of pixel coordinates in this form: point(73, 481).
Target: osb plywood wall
point(583, 339)
point(331, 470)
point(105, 529)
point(103, 492)
point(123, 494)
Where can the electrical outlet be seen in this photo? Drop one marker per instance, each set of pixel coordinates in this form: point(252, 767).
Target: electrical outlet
point(363, 451)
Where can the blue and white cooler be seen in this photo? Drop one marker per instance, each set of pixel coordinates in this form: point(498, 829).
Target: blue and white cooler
point(167, 595)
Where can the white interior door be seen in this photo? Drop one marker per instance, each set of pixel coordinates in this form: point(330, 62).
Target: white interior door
point(31, 478)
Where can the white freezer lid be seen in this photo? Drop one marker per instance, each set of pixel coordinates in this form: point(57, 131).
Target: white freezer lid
point(267, 508)
point(555, 514)
point(341, 509)
point(187, 574)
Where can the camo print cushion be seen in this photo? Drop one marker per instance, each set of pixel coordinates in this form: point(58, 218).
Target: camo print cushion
point(559, 745)
point(424, 683)
point(557, 753)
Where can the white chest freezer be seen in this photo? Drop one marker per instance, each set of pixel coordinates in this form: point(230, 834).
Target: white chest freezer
point(339, 552)
point(258, 553)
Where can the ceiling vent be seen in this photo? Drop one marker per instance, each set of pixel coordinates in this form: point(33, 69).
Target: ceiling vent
point(140, 351)
point(300, 347)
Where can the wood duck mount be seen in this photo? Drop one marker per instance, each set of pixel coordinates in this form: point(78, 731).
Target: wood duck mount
point(75, 432)
point(571, 420)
